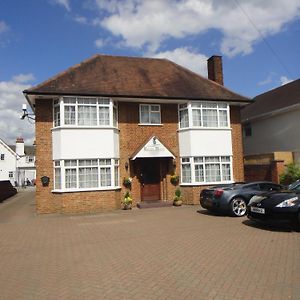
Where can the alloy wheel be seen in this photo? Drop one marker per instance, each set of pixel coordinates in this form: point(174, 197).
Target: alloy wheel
point(238, 207)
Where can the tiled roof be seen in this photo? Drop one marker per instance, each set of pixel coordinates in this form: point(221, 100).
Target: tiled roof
point(105, 75)
point(276, 99)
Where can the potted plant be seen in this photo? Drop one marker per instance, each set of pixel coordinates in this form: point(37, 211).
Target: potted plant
point(127, 201)
point(174, 179)
point(127, 182)
point(177, 199)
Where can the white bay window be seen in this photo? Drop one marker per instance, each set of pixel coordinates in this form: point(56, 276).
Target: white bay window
point(206, 169)
point(86, 174)
point(203, 115)
point(84, 111)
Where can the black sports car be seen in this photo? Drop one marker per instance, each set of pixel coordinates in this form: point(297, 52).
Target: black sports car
point(280, 205)
point(233, 198)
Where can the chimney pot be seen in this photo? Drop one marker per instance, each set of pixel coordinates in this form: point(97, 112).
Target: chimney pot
point(215, 69)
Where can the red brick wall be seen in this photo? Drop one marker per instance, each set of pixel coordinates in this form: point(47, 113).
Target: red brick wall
point(133, 136)
point(48, 202)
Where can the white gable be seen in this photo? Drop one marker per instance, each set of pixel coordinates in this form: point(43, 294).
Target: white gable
point(153, 148)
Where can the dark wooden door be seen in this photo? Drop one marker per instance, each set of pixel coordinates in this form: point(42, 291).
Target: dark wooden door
point(150, 179)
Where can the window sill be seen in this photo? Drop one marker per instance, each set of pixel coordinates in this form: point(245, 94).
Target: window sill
point(108, 188)
point(83, 127)
point(146, 124)
point(205, 183)
point(205, 128)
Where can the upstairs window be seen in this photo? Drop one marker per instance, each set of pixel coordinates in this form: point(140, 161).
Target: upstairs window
point(2, 156)
point(85, 111)
point(204, 115)
point(150, 114)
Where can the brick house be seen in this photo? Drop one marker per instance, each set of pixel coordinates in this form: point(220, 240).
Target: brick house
point(271, 132)
point(111, 117)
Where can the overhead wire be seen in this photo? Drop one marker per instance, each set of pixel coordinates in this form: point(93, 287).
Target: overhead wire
point(280, 61)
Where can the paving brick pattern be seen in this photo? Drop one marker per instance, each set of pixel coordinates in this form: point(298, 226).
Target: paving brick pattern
point(160, 253)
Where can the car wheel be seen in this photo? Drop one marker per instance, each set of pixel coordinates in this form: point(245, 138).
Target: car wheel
point(238, 207)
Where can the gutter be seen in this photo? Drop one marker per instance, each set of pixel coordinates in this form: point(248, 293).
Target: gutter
point(27, 93)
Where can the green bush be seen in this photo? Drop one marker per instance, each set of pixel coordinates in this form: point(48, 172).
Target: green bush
point(291, 174)
point(178, 193)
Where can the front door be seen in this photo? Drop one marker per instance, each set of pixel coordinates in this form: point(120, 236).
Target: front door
point(150, 179)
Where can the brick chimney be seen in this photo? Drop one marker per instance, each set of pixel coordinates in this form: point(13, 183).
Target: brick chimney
point(215, 69)
point(20, 146)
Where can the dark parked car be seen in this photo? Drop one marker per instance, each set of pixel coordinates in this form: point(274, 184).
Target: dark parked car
point(280, 205)
point(6, 190)
point(233, 198)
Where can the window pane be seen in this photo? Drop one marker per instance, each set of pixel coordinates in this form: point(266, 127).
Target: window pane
point(198, 159)
point(212, 159)
point(210, 118)
point(196, 117)
point(209, 105)
point(70, 178)
point(155, 108)
point(155, 118)
point(183, 118)
point(222, 105)
point(87, 115)
point(57, 175)
point(196, 104)
point(103, 115)
point(69, 163)
point(88, 177)
point(105, 177)
point(104, 162)
point(115, 116)
point(226, 172)
point(185, 159)
point(56, 116)
point(225, 158)
point(69, 115)
point(186, 173)
point(199, 173)
point(223, 118)
point(116, 176)
point(213, 173)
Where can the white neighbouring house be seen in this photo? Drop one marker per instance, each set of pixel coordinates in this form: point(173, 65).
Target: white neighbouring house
point(17, 162)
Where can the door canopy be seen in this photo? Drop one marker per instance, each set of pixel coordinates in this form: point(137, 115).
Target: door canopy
point(153, 148)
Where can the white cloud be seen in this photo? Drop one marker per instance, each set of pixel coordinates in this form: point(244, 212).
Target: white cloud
point(3, 27)
point(23, 78)
point(149, 23)
point(196, 62)
point(99, 43)
point(284, 80)
point(11, 109)
point(64, 3)
point(81, 19)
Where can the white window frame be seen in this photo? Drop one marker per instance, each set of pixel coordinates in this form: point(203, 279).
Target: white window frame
point(193, 163)
point(78, 101)
point(150, 111)
point(110, 163)
point(200, 105)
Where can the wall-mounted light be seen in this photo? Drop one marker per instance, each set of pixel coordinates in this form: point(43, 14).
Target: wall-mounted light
point(126, 166)
point(26, 114)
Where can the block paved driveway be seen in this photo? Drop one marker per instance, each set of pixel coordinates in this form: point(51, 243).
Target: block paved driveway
point(164, 253)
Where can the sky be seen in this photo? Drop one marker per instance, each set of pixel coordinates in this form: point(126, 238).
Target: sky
point(259, 41)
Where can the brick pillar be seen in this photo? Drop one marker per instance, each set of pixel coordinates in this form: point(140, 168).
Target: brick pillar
point(277, 168)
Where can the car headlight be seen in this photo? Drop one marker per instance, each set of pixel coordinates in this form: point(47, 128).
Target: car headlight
point(256, 199)
point(288, 202)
